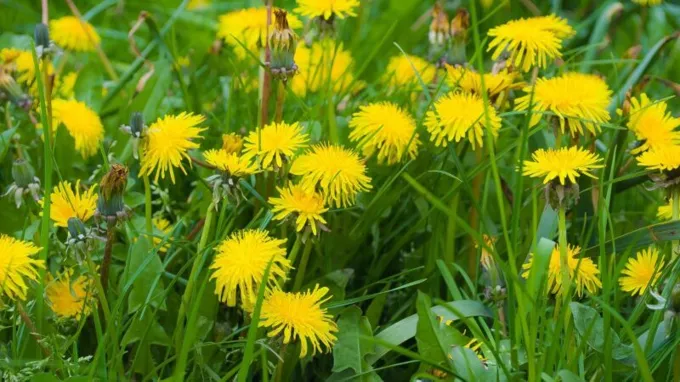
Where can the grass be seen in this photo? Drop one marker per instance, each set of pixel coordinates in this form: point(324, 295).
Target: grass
point(402, 264)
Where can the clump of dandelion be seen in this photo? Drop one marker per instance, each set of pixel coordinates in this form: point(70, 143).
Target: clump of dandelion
point(81, 122)
point(167, 143)
point(304, 206)
point(72, 33)
point(300, 317)
point(577, 101)
point(275, 143)
point(460, 115)
point(387, 129)
point(641, 272)
point(17, 265)
point(338, 173)
point(583, 272)
point(238, 267)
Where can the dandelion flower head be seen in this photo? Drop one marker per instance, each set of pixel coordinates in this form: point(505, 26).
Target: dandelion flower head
point(17, 264)
point(72, 33)
point(471, 82)
point(338, 173)
point(305, 206)
point(665, 212)
point(232, 143)
point(238, 267)
point(578, 100)
point(663, 158)
point(81, 122)
point(231, 163)
point(403, 70)
point(248, 28)
point(68, 202)
point(70, 298)
point(460, 115)
point(642, 271)
point(299, 316)
point(167, 143)
point(652, 124)
point(275, 143)
point(564, 164)
point(583, 271)
point(327, 8)
point(387, 129)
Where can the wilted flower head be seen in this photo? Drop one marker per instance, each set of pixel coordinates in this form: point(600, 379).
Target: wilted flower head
point(238, 267)
point(283, 43)
point(275, 143)
point(16, 266)
point(338, 173)
point(110, 203)
point(439, 27)
point(387, 129)
point(460, 115)
point(299, 316)
point(167, 143)
point(641, 272)
point(81, 122)
point(578, 100)
point(72, 33)
point(583, 271)
point(304, 206)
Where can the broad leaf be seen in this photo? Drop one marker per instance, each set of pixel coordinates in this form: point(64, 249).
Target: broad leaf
point(350, 350)
point(590, 326)
point(435, 338)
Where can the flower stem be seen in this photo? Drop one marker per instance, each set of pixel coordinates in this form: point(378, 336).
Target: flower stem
point(564, 251)
point(474, 217)
point(147, 207)
point(294, 251)
point(280, 100)
point(675, 196)
point(300, 274)
point(106, 262)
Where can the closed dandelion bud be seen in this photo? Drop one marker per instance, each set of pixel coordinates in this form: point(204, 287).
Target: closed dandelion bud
point(110, 204)
point(41, 35)
point(137, 130)
point(283, 42)
point(459, 29)
point(25, 182)
point(76, 230)
point(13, 91)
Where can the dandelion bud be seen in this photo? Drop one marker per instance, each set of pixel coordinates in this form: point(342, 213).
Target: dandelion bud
point(43, 45)
point(76, 230)
point(136, 129)
point(283, 42)
point(25, 182)
point(10, 87)
point(110, 204)
point(459, 29)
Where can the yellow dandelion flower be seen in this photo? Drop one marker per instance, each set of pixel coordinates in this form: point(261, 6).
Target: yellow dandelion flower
point(81, 122)
point(164, 228)
point(327, 8)
point(70, 33)
point(299, 316)
point(648, 2)
point(459, 115)
point(486, 258)
point(7, 55)
point(578, 100)
point(168, 140)
point(641, 272)
point(198, 4)
point(530, 42)
point(471, 82)
point(304, 205)
point(564, 163)
point(64, 86)
point(387, 129)
point(583, 272)
point(25, 68)
point(67, 202)
point(665, 212)
point(337, 172)
point(663, 158)
point(555, 24)
point(400, 74)
point(70, 298)
point(241, 261)
point(248, 27)
point(17, 265)
point(232, 163)
point(232, 143)
point(275, 143)
point(652, 124)
point(325, 63)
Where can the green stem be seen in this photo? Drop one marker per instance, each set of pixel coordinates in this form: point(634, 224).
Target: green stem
point(147, 207)
point(294, 251)
point(564, 252)
point(675, 196)
point(300, 274)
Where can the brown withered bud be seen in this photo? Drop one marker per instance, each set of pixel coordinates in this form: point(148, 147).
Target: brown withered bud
point(110, 204)
point(439, 28)
point(283, 43)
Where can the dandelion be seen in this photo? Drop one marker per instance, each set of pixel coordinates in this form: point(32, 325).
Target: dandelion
point(163, 226)
point(167, 143)
point(248, 28)
point(16, 266)
point(563, 164)
point(303, 205)
point(460, 115)
point(486, 258)
point(194, 5)
point(81, 122)
point(22, 63)
point(641, 272)
point(471, 82)
point(648, 2)
point(299, 316)
point(72, 33)
point(530, 41)
point(241, 261)
point(578, 100)
point(583, 272)
point(663, 158)
point(652, 124)
point(387, 129)
point(338, 173)
point(275, 143)
point(230, 163)
point(327, 9)
point(67, 202)
point(232, 143)
point(70, 298)
point(324, 63)
point(665, 212)
point(403, 70)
